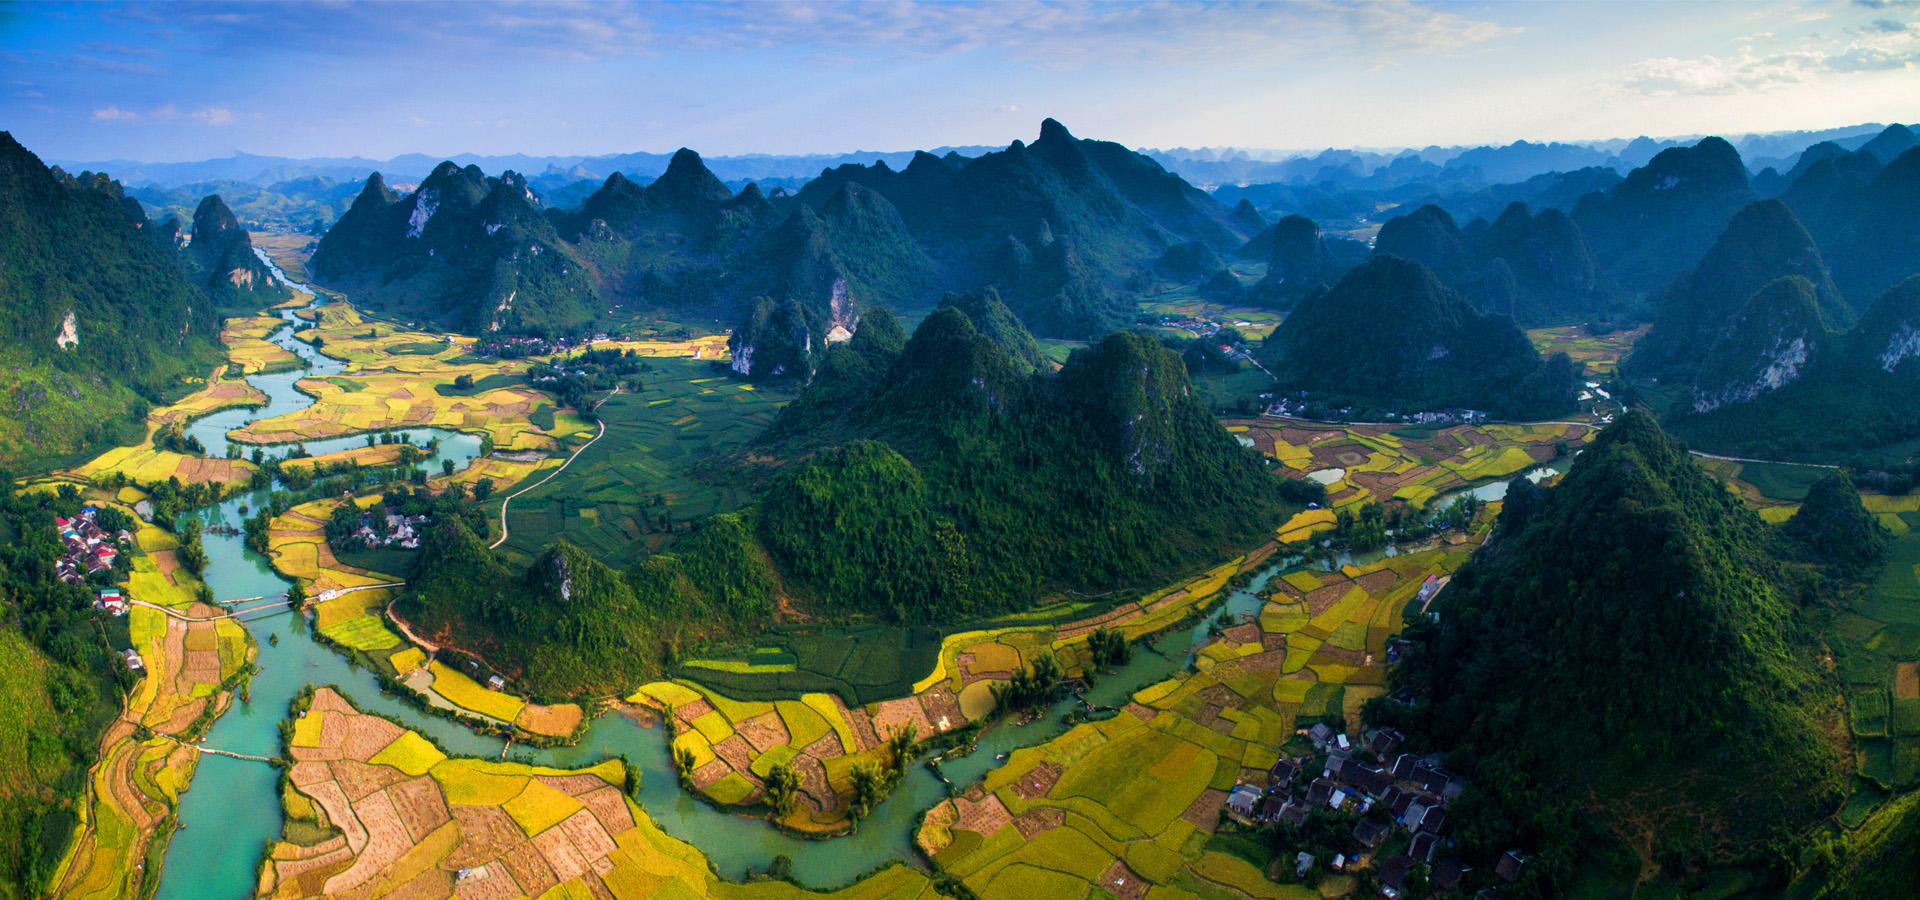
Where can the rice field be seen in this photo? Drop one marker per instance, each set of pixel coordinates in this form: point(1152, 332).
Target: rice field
point(621, 494)
point(1129, 803)
point(519, 830)
point(248, 347)
point(1412, 465)
point(146, 464)
point(390, 383)
point(1876, 648)
point(1600, 354)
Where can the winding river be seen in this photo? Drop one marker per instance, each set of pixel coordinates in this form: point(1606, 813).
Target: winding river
point(232, 810)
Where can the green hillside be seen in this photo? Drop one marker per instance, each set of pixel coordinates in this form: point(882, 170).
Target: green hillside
point(1632, 664)
point(919, 482)
point(99, 318)
point(1390, 338)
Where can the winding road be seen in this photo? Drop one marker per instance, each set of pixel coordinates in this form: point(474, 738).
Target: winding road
point(504, 531)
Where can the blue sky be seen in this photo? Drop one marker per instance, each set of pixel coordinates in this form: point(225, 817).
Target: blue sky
point(191, 80)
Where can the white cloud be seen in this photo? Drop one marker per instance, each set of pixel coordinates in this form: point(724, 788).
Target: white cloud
point(1878, 45)
point(211, 116)
point(1048, 32)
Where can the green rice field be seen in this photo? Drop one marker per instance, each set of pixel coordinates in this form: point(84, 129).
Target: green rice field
point(618, 497)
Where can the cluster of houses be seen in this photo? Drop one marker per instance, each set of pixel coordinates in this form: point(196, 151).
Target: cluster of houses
point(1296, 407)
point(86, 548)
point(1391, 791)
point(400, 532)
point(518, 347)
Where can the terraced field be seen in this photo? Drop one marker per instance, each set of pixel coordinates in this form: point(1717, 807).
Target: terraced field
point(248, 347)
point(1127, 805)
point(351, 614)
point(1410, 464)
point(190, 667)
point(387, 814)
point(145, 463)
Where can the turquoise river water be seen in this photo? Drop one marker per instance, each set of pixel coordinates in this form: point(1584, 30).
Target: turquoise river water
point(232, 810)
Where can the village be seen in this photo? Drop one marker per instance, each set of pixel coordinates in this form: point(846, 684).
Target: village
point(86, 546)
point(1400, 799)
point(391, 530)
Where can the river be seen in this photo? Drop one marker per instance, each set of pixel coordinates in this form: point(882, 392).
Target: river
point(231, 811)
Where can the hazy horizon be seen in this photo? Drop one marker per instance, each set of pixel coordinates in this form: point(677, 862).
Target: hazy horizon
point(195, 81)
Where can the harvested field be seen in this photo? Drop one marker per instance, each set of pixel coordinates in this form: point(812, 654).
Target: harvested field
point(1038, 781)
point(985, 815)
point(1204, 814)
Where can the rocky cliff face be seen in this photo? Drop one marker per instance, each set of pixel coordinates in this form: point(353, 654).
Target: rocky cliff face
point(1775, 338)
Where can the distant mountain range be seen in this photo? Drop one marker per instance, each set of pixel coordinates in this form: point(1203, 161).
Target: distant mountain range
point(1060, 228)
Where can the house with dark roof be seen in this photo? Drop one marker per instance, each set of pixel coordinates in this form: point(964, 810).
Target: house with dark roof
point(1336, 766)
point(1393, 875)
point(1511, 864)
point(1436, 820)
point(1294, 814)
point(1282, 774)
point(1383, 742)
point(1447, 874)
point(1319, 791)
point(1424, 845)
point(1370, 832)
point(1368, 780)
point(1415, 814)
point(1321, 735)
point(1403, 767)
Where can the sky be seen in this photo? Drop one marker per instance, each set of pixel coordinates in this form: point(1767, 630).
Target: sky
point(195, 80)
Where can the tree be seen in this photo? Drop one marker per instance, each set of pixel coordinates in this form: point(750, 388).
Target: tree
point(483, 489)
point(446, 467)
point(683, 764)
point(867, 790)
point(899, 744)
point(463, 382)
point(782, 784)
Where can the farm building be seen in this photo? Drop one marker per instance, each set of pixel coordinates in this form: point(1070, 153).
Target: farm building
point(111, 603)
point(134, 663)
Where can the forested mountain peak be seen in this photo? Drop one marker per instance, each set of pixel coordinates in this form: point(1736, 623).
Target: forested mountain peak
point(688, 187)
point(1773, 340)
point(1762, 242)
point(1637, 599)
point(1391, 338)
point(1658, 221)
point(213, 220)
point(222, 256)
point(88, 288)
